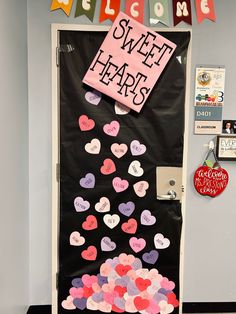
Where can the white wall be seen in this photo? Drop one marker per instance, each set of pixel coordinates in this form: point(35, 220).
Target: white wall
point(210, 259)
point(14, 274)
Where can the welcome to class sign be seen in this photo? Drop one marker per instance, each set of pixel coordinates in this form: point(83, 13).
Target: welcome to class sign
point(129, 62)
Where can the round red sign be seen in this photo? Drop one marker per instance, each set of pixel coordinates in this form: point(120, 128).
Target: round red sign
point(210, 181)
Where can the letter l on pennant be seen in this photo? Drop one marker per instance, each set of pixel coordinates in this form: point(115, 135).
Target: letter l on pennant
point(109, 10)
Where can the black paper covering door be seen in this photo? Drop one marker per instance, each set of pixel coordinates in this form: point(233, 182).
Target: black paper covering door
point(109, 263)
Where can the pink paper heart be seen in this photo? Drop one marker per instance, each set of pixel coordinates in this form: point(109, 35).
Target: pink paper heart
point(108, 287)
point(112, 129)
point(104, 307)
point(136, 244)
point(167, 284)
point(120, 185)
point(119, 150)
point(68, 303)
point(96, 287)
point(89, 280)
point(109, 297)
point(140, 188)
point(105, 269)
point(126, 259)
point(77, 292)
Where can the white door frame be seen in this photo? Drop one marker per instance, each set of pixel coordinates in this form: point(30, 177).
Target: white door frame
point(55, 29)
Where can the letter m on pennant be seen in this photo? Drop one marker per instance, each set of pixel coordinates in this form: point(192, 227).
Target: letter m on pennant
point(182, 11)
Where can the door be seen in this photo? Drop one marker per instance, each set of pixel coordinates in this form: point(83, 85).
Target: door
point(118, 245)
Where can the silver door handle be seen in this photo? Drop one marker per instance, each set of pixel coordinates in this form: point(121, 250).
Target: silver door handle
point(171, 195)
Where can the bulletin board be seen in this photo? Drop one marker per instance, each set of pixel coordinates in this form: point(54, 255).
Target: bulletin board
point(118, 246)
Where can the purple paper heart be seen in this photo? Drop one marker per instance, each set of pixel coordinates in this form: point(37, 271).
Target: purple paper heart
point(80, 204)
point(93, 97)
point(77, 283)
point(102, 280)
point(150, 257)
point(88, 182)
point(80, 303)
point(123, 281)
point(137, 148)
point(120, 303)
point(126, 208)
point(132, 289)
point(98, 297)
point(137, 264)
point(164, 291)
point(107, 245)
point(147, 218)
point(113, 262)
point(158, 297)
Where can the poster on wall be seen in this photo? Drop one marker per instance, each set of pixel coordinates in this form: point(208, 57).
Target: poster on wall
point(129, 62)
point(209, 99)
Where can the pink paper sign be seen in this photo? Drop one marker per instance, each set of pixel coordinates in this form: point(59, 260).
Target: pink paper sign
point(129, 62)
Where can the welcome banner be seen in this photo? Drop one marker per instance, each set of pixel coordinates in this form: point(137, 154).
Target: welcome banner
point(159, 10)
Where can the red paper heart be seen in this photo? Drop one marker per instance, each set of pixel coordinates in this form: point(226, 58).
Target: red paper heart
point(142, 284)
point(120, 290)
point(90, 223)
point(87, 292)
point(108, 167)
point(130, 226)
point(210, 181)
point(122, 270)
point(172, 299)
point(141, 304)
point(116, 309)
point(90, 254)
point(85, 123)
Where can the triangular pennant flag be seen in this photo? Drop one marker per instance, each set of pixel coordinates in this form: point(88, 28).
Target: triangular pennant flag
point(65, 5)
point(135, 9)
point(182, 11)
point(205, 10)
point(159, 12)
point(109, 10)
point(86, 7)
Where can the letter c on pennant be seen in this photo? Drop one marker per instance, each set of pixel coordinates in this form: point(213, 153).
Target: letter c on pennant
point(134, 13)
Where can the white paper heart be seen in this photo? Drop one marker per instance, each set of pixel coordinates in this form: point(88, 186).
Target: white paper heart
point(111, 220)
point(93, 147)
point(76, 239)
point(135, 169)
point(161, 242)
point(121, 109)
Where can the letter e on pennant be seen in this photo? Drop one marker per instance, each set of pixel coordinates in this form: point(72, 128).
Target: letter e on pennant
point(205, 10)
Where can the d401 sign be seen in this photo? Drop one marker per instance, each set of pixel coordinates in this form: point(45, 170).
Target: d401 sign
point(210, 181)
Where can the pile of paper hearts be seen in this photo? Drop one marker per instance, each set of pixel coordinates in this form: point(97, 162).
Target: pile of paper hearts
point(123, 286)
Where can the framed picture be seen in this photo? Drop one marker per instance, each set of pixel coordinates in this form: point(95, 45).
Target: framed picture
point(226, 147)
